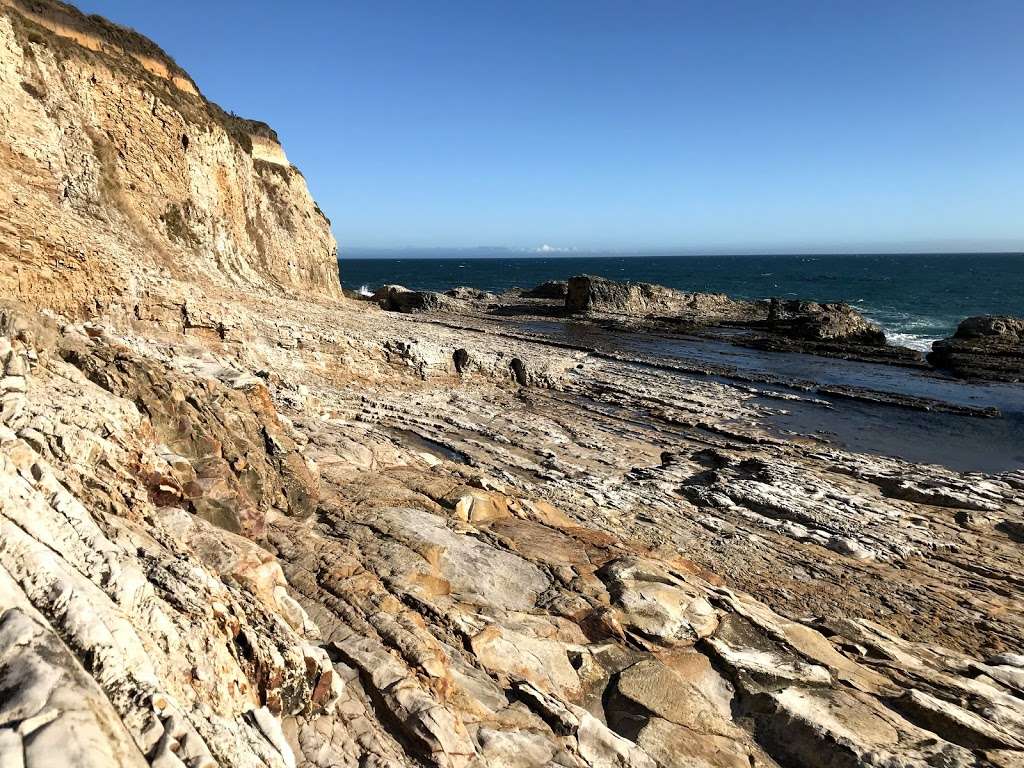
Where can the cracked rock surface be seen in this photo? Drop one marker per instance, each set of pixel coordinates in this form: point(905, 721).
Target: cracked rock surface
point(397, 563)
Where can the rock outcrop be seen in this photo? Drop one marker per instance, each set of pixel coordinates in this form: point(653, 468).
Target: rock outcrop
point(397, 298)
point(986, 347)
point(551, 289)
point(116, 173)
point(829, 328)
point(832, 322)
point(487, 604)
point(465, 293)
point(588, 293)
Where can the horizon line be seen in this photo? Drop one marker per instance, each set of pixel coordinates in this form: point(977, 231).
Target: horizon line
point(499, 252)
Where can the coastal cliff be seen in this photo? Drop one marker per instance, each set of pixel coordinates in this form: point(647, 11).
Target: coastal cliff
point(115, 173)
point(245, 523)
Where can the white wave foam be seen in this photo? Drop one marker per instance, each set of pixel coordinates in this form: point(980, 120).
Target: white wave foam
point(364, 290)
point(912, 340)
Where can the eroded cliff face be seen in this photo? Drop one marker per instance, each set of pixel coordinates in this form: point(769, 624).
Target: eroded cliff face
point(115, 173)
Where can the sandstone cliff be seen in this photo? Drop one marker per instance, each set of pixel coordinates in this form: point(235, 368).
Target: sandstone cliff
point(115, 173)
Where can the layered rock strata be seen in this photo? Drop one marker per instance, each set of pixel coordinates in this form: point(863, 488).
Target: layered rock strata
point(399, 561)
point(800, 321)
point(588, 293)
point(985, 347)
point(118, 173)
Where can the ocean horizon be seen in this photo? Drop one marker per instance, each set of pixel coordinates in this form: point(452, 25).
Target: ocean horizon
point(916, 298)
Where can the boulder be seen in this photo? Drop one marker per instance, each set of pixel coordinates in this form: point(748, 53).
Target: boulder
point(397, 298)
point(986, 347)
point(463, 293)
point(551, 289)
point(830, 322)
point(656, 604)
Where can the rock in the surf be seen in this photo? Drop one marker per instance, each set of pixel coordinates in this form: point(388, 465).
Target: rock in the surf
point(589, 293)
point(984, 347)
point(803, 321)
point(812, 321)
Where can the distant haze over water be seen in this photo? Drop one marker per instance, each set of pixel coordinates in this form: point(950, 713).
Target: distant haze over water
point(916, 298)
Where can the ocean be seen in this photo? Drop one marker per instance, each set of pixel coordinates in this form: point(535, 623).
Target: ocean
point(916, 298)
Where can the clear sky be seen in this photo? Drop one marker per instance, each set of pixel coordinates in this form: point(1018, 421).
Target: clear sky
point(598, 124)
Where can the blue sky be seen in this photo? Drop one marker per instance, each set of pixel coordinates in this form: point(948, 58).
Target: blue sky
point(591, 124)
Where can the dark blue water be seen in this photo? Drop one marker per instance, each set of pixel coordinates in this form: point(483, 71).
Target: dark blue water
point(916, 298)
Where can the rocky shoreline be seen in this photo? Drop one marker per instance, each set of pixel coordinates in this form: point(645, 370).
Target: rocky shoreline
point(983, 348)
point(245, 521)
point(613, 500)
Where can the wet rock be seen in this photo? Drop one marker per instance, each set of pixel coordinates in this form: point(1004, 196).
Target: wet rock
point(829, 329)
point(985, 347)
point(811, 321)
